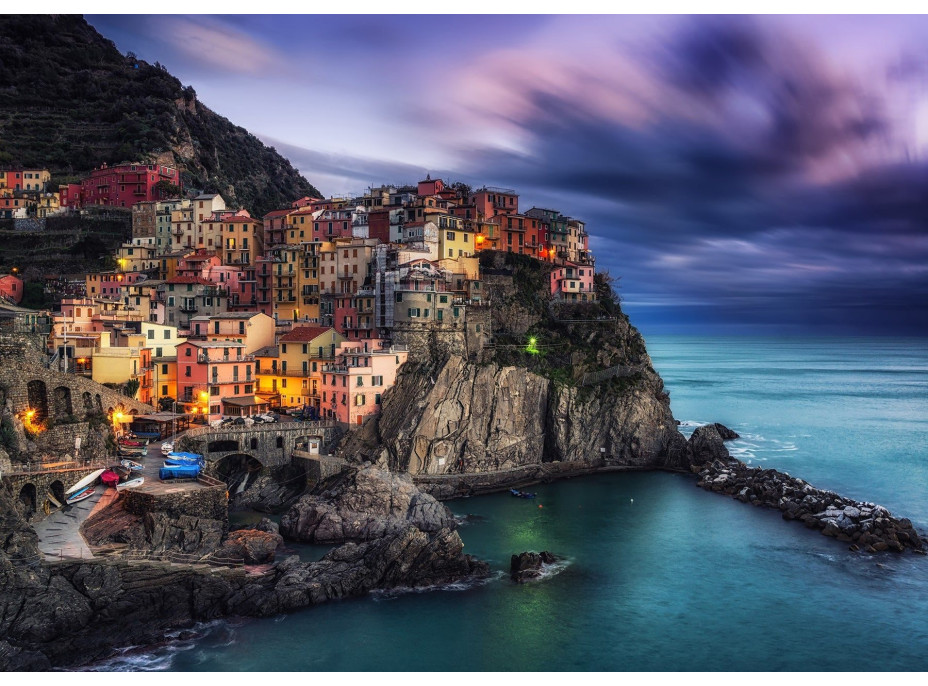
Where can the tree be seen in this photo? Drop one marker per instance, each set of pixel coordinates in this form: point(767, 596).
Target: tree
point(131, 387)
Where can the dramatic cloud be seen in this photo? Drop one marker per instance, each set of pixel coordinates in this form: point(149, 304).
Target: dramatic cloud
point(740, 174)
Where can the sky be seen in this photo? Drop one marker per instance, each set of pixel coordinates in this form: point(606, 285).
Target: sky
point(738, 175)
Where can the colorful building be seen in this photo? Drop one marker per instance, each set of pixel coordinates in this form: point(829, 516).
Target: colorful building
point(353, 384)
point(124, 185)
point(11, 288)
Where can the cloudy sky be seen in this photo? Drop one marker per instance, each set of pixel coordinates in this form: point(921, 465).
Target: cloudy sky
point(762, 175)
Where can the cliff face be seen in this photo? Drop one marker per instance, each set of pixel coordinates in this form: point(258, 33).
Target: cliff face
point(585, 391)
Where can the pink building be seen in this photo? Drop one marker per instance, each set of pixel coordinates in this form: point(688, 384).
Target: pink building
point(11, 287)
point(123, 185)
point(218, 376)
point(573, 282)
point(353, 384)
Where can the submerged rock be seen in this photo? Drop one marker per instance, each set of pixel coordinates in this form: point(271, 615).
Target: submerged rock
point(362, 505)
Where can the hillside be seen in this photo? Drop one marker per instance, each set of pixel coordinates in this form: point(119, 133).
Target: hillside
point(69, 100)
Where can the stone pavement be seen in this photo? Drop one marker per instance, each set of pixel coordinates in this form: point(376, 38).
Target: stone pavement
point(59, 533)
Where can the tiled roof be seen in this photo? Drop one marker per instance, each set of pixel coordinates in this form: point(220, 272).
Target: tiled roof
point(304, 334)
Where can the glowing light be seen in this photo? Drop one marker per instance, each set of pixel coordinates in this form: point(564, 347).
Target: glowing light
point(203, 396)
point(532, 347)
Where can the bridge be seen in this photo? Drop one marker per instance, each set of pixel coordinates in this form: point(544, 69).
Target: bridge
point(272, 445)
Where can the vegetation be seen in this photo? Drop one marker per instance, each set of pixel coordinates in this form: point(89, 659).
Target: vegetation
point(131, 388)
point(70, 101)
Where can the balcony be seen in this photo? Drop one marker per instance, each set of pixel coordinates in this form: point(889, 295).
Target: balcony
point(189, 309)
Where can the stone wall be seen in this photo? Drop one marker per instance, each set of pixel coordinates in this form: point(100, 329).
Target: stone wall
point(25, 383)
point(209, 502)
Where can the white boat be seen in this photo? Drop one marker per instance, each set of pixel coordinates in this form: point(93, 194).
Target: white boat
point(86, 481)
point(80, 495)
point(131, 483)
point(167, 448)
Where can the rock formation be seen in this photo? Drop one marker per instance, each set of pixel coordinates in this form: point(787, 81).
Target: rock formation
point(362, 505)
point(68, 614)
point(528, 566)
point(864, 525)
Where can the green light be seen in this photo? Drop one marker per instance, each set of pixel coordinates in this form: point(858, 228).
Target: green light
point(532, 346)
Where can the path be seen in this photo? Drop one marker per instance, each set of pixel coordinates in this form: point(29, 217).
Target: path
point(59, 533)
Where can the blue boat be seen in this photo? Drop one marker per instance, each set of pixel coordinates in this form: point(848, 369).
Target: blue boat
point(520, 494)
point(179, 472)
point(182, 462)
point(186, 458)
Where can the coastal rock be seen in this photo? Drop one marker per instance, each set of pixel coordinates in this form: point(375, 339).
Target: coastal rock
point(268, 526)
point(528, 565)
point(706, 444)
point(253, 546)
point(871, 526)
point(726, 433)
point(362, 505)
point(73, 613)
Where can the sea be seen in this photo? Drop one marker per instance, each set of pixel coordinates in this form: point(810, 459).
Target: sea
point(655, 573)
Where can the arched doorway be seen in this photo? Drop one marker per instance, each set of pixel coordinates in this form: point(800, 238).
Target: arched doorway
point(27, 497)
point(87, 401)
point(57, 491)
point(37, 395)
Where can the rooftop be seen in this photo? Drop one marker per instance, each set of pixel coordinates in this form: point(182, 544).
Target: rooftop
point(304, 334)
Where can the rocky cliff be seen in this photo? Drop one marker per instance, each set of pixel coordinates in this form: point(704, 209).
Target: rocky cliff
point(553, 383)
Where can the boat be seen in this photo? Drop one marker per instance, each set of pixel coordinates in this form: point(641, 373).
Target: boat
point(186, 459)
point(133, 444)
point(109, 478)
point(123, 472)
point(86, 481)
point(80, 495)
point(520, 494)
point(179, 472)
point(167, 448)
point(131, 466)
point(188, 456)
point(131, 483)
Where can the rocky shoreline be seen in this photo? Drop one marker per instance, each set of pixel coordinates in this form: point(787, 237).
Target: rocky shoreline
point(864, 525)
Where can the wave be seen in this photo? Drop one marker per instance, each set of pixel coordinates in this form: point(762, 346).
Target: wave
point(160, 656)
point(462, 585)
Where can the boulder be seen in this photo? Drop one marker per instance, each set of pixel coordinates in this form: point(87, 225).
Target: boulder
point(528, 565)
point(705, 445)
point(364, 504)
point(255, 547)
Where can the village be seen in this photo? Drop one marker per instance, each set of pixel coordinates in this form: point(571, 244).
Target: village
point(217, 316)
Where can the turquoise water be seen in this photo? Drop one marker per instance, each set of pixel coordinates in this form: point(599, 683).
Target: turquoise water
point(661, 575)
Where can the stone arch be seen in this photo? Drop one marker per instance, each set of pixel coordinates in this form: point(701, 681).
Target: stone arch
point(63, 405)
point(238, 471)
point(27, 496)
point(57, 491)
point(222, 446)
point(87, 401)
point(98, 402)
point(37, 396)
point(133, 411)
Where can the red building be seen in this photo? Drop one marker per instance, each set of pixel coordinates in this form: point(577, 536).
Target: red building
point(11, 287)
point(378, 225)
point(124, 185)
point(490, 201)
point(430, 186)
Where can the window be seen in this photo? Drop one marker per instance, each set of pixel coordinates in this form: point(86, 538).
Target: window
point(443, 299)
point(280, 441)
point(376, 381)
point(283, 348)
point(151, 334)
point(449, 235)
point(164, 390)
point(254, 443)
point(167, 335)
point(399, 297)
point(359, 399)
point(283, 383)
point(164, 369)
point(377, 398)
point(187, 370)
point(360, 381)
point(187, 352)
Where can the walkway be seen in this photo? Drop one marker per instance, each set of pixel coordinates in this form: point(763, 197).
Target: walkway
point(59, 533)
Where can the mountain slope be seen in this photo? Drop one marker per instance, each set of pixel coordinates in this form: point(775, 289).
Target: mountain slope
point(69, 100)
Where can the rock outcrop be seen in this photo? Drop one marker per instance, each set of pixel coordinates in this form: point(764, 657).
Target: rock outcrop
point(69, 614)
point(706, 444)
point(865, 526)
point(362, 505)
point(528, 566)
point(250, 545)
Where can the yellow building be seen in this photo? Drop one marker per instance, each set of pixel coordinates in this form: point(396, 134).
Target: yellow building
point(164, 378)
point(47, 205)
point(297, 372)
point(242, 239)
point(455, 239)
point(268, 380)
point(254, 330)
point(138, 255)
